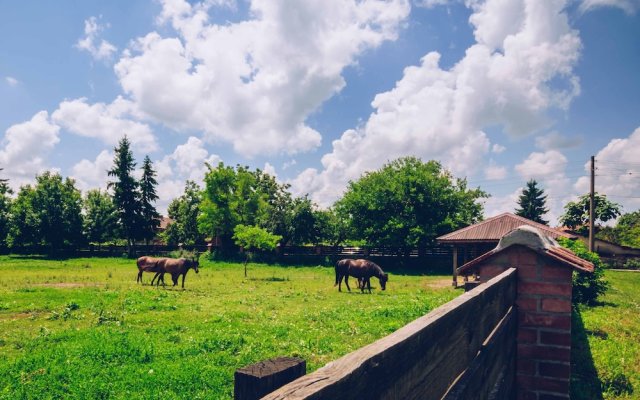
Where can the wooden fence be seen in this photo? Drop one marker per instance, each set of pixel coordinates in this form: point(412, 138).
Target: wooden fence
point(464, 349)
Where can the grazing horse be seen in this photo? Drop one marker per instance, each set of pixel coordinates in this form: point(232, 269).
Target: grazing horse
point(177, 267)
point(150, 264)
point(362, 270)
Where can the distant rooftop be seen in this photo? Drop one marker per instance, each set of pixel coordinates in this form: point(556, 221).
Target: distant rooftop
point(493, 229)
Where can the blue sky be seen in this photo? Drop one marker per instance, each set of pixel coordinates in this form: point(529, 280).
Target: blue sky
point(318, 92)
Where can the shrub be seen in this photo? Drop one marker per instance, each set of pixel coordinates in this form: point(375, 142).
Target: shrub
point(586, 287)
point(632, 263)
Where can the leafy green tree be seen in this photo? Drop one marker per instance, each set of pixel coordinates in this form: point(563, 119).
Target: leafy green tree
point(184, 212)
point(5, 211)
point(586, 287)
point(532, 202)
point(576, 214)
point(408, 203)
point(100, 217)
point(126, 194)
point(253, 238)
point(148, 196)
point(627, 229)
point(231, 196)
point(47, 214)
point(59, 205)
point(24, 220)
point(332, 226)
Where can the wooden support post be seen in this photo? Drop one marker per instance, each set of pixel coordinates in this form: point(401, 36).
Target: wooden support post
point(455, 266)
point(257, 380)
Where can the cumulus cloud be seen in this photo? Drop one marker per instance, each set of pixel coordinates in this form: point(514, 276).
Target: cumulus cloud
point(93, 174)
point(25, 146)
point(106, 122)
point(99, 49)
point(555, 141)
point(495, 172)
point(254, 83)
point(497, 148)
point(617, 172)
point(628, 6)
point(505, 79)
point(187, 162)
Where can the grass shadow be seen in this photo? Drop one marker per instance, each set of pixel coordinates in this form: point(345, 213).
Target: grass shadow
point(585, 383)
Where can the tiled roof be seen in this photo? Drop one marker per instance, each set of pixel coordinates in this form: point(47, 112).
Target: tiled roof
point(526, 236)
point(494, 228)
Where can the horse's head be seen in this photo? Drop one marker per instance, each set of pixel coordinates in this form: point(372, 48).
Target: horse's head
point(383, 281)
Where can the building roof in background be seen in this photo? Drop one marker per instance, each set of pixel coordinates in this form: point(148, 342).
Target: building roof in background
point(494, 228)
point(537, 241)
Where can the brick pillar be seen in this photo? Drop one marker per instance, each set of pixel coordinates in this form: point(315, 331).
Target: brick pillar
point(544, 325)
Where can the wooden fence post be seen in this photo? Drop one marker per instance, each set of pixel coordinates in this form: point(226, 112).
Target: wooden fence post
point(257, 380)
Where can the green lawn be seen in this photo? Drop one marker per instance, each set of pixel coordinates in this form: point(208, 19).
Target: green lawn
point(83, 328)
point(606, 343)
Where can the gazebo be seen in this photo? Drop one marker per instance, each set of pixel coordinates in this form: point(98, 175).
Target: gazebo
point(476, 240)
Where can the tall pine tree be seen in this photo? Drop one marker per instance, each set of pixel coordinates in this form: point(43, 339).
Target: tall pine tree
point(532, 203)
point(126, 195)
point(148, 196)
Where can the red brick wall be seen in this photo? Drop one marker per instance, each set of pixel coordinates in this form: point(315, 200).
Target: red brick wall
point(544, 321)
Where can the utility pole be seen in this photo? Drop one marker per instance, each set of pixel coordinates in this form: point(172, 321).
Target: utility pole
point(591, 204)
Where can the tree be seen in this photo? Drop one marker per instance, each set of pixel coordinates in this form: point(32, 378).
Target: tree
point(532, 203)
point(253, 238)
point(576, 214)
point(48, 214)
point(408, 203)
point(231, 196)
point(184, 212)
point(100, 217)
point(332, 226)
point(126, 195)
point(148, 196)
point(5, 208)
point(24, 220)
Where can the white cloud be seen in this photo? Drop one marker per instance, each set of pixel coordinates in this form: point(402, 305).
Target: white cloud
point(628, 6)
point(617, 172)
point(11, 81)
point(93, 174)
point(187, 162)
point(99, 49)
point(432, 3)
point(495, 172)
point(107, 122)
point(254, 83)
point(555, 141)
point(25, 147)
point(270, 170)
point(497, 148)
point(504, 79)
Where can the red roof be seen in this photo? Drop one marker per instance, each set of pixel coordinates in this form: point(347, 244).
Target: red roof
point(523, 236)
point(494, 228)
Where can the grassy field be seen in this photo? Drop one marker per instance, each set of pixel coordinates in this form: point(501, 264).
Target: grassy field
point(606, 343)
point(83, 328)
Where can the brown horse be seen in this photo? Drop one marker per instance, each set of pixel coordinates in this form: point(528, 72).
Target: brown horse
point(362, 270)
point(150, 264)
point(176, 267)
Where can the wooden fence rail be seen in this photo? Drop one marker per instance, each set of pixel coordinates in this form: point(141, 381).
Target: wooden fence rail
point(462, 350)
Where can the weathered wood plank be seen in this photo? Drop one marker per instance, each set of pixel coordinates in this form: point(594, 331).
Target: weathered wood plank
point(494, 359)
point(256, 380)
point(418, 361)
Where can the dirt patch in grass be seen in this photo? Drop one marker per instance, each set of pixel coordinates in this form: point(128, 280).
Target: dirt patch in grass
point(438, 284)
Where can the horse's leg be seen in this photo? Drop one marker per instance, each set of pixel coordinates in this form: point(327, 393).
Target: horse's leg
point(183, 276)
point(346, 282)
point(368, 284)
point(139, 278)
point(174, 278)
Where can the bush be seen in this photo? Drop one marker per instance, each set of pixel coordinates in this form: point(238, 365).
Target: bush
point(586, 287)
point(632, 263)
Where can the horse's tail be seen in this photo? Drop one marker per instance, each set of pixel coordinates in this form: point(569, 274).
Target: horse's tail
point(336, 284)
